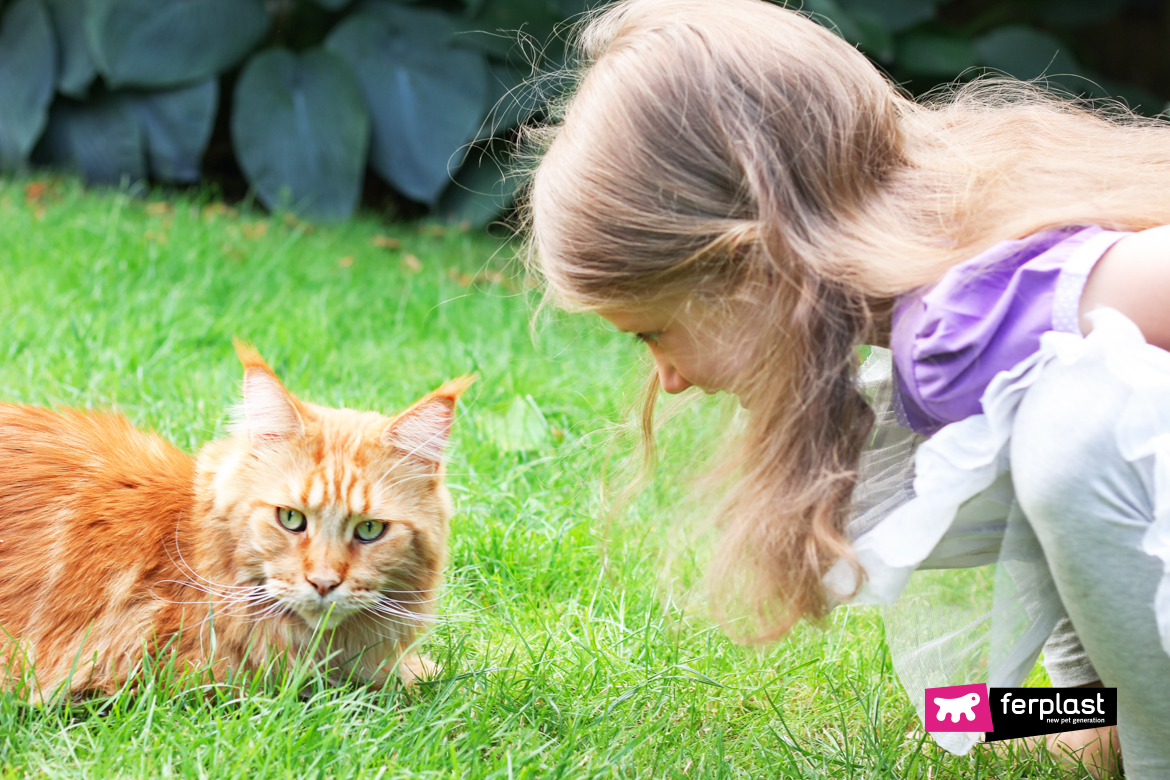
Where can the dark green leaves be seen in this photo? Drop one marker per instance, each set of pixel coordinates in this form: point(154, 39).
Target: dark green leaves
point(930, 54)
point(893, 15)
point(176, 126)
point(1024, 52)
point(427, 97)
point(100, 138)
point(133, 133)
point(163, 43)
point(483, 189)
point(27, 77)
point(1077, 13)
point(301, 132)
point(76, 70)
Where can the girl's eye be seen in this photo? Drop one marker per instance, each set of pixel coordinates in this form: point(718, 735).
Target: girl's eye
point(369, 530)
point(291, 519)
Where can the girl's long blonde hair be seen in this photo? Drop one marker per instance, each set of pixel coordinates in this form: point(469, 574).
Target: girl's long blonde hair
point(739, 154)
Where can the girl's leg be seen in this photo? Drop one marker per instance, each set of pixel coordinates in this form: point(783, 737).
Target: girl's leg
point(1090, 508)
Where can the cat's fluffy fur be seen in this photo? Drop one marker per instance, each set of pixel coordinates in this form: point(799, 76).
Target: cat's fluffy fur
point(114, 544)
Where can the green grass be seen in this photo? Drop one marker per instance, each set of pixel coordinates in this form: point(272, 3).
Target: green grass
point(562, 655)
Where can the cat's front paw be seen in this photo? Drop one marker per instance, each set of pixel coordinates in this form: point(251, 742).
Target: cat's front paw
point(415, 666)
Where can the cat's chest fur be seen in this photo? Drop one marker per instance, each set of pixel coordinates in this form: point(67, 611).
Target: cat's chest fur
point(309, 528)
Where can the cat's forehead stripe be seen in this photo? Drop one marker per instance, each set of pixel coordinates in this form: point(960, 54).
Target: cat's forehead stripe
point(316, 490)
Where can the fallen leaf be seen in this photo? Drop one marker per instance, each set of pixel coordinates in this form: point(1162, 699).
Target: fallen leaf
point(435, 230)
point(234, 252)
point(34, 191)
point(255, 230)
point(386, 242)
point(160, 207)
point(411, 264)
point(466, 279)
point(217, 209)
point(293, 222)
point(345, 262)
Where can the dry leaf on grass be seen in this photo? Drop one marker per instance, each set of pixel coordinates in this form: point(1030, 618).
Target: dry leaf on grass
point(254, 230)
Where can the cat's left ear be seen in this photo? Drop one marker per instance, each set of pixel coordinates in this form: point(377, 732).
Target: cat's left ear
point(422, 430)
point(269, 411)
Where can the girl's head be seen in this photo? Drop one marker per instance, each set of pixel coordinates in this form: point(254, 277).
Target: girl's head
point(743, 189)
point(707, 149)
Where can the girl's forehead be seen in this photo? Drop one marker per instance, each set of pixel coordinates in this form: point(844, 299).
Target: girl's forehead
point(635, 317)
point(637, 320)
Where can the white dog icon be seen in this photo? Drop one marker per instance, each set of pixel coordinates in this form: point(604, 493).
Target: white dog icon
point(954, 707)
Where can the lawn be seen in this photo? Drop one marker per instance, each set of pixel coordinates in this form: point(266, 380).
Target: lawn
point(564, 652)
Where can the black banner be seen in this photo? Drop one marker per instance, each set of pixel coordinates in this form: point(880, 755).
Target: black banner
point(1030, 712)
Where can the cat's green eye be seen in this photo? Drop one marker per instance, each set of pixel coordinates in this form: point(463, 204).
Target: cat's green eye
point(291, 519)
point(369, 530)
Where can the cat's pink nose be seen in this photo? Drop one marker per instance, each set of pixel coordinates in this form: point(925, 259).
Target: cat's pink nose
point(324, 582)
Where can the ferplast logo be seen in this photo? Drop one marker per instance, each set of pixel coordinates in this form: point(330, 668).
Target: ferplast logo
point(1012, 713)
point(1029, 712)
point(958, 708)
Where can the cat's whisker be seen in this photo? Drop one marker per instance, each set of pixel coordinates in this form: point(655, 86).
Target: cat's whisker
point(395, 634)
point(420, 617)
point(397, 609)
point(267, 613)
point(405, 598)
point(257, 596)
point(382, 490)
point(190, 570)
point(425, 443)
point(244, 592)
point(379, 484)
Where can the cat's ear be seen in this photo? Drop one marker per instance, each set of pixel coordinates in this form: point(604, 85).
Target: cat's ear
point(423, 429)
point(268, 411)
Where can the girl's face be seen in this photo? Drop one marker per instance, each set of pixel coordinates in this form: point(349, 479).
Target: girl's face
point(688, 345)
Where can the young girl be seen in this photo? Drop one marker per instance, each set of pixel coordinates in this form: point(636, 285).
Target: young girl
point(744, 192)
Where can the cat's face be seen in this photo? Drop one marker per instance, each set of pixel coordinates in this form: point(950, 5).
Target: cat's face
point(333, 513)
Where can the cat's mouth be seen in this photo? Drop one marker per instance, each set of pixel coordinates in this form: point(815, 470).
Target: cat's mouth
point(317, 617)
point(325, 620)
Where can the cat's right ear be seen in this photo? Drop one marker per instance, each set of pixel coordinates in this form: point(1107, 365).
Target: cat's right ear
point(423, 429)
point(269, 411)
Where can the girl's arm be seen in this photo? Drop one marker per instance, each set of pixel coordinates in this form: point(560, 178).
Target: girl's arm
point(1134, 278)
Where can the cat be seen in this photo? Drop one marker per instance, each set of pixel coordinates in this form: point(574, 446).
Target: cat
point(309, 532)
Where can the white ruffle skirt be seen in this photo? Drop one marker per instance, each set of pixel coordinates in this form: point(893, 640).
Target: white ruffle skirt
point(943, 540)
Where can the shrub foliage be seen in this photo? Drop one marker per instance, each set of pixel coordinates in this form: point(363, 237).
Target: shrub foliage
point(424, 94)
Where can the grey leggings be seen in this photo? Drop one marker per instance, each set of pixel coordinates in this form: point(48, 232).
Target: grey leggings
point(1090, 508)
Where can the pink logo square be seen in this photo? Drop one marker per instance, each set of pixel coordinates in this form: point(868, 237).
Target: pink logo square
point(958, 708)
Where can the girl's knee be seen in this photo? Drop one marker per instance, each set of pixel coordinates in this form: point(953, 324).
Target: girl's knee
point(1066, 426)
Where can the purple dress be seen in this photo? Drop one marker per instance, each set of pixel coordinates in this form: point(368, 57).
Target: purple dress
point(985, 316)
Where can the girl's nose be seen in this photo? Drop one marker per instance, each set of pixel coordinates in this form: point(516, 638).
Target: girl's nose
point(669, 377)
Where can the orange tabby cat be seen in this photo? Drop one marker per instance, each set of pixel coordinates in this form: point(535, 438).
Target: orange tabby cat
point(114, 544)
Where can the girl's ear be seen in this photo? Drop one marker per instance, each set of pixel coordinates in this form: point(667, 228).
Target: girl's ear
point(269, 411)
point(423, 429)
